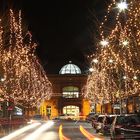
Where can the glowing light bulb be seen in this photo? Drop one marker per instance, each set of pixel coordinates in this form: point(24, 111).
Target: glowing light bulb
point(110, 61)
point(95, 60)
point(124, 77)
point(2, 79)
point(91, 69)
point(104, 42)
point(125, 43)
point(122, 5)
point(135, 77)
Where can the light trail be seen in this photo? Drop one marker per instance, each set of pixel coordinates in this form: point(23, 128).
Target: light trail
point(20, 131)
point(36, 134)
point(88, 135)
point(61, 136)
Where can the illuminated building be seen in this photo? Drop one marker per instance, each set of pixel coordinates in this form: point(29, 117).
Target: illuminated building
point(67, 97)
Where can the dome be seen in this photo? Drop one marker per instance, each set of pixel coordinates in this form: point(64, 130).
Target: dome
point(70, 69)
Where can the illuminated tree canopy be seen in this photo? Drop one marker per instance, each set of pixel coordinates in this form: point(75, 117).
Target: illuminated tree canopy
point(116, 74)
point(22, 76)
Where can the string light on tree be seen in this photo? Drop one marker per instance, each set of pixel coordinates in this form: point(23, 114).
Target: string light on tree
point(95, 60)
point(24, 78)
point(122, 6)
point(125, 43)
point(122, 53)
point(104, 43)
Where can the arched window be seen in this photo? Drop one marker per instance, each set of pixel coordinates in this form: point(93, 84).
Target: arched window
point(71, 92)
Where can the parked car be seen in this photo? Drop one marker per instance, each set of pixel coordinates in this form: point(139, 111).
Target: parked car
point(126, 127)
point(94, 121)
point(106, 125)
point(97, 123)
point(90, 116)
point(103, 123)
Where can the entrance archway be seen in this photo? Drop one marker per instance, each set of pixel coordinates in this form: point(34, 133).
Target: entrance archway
point(71, 110)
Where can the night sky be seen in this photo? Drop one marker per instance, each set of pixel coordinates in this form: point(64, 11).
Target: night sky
point(64, 29)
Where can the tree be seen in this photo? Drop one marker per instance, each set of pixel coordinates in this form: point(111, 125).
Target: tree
point(117, 71)
point(24, 79)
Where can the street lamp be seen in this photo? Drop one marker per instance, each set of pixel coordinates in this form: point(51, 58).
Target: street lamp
point(122, 6)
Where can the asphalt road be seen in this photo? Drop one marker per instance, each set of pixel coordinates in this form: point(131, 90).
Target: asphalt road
point(70, 130)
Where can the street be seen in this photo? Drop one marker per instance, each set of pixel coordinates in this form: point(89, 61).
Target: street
point(56, 130)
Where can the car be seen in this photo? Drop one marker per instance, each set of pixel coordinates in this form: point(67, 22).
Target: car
point(106, 124)
point(97, 123)
point(103, 123)
point(90, 116)
point(126, 127)
point(94, 120)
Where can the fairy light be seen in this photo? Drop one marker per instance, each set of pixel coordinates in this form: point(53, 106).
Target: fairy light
point(124, 77)
point(104, 43)
point(125, 43)
point(95, 61)
point(123, 47)
point(135, 77)
point(24, 78)
point(91, 69)
point(110, 61)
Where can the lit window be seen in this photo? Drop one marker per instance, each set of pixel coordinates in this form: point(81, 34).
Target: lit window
point(70, 92)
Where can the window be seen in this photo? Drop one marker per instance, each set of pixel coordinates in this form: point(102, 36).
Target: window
point(71, 110)
point(70, 92)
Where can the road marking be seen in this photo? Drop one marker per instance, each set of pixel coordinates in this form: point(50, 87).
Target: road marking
point(61, 136)
point(88, 135)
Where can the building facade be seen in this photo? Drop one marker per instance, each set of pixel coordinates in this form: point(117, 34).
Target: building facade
point(67, 93)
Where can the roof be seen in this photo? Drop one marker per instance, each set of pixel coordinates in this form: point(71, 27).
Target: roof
point(70, 69)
